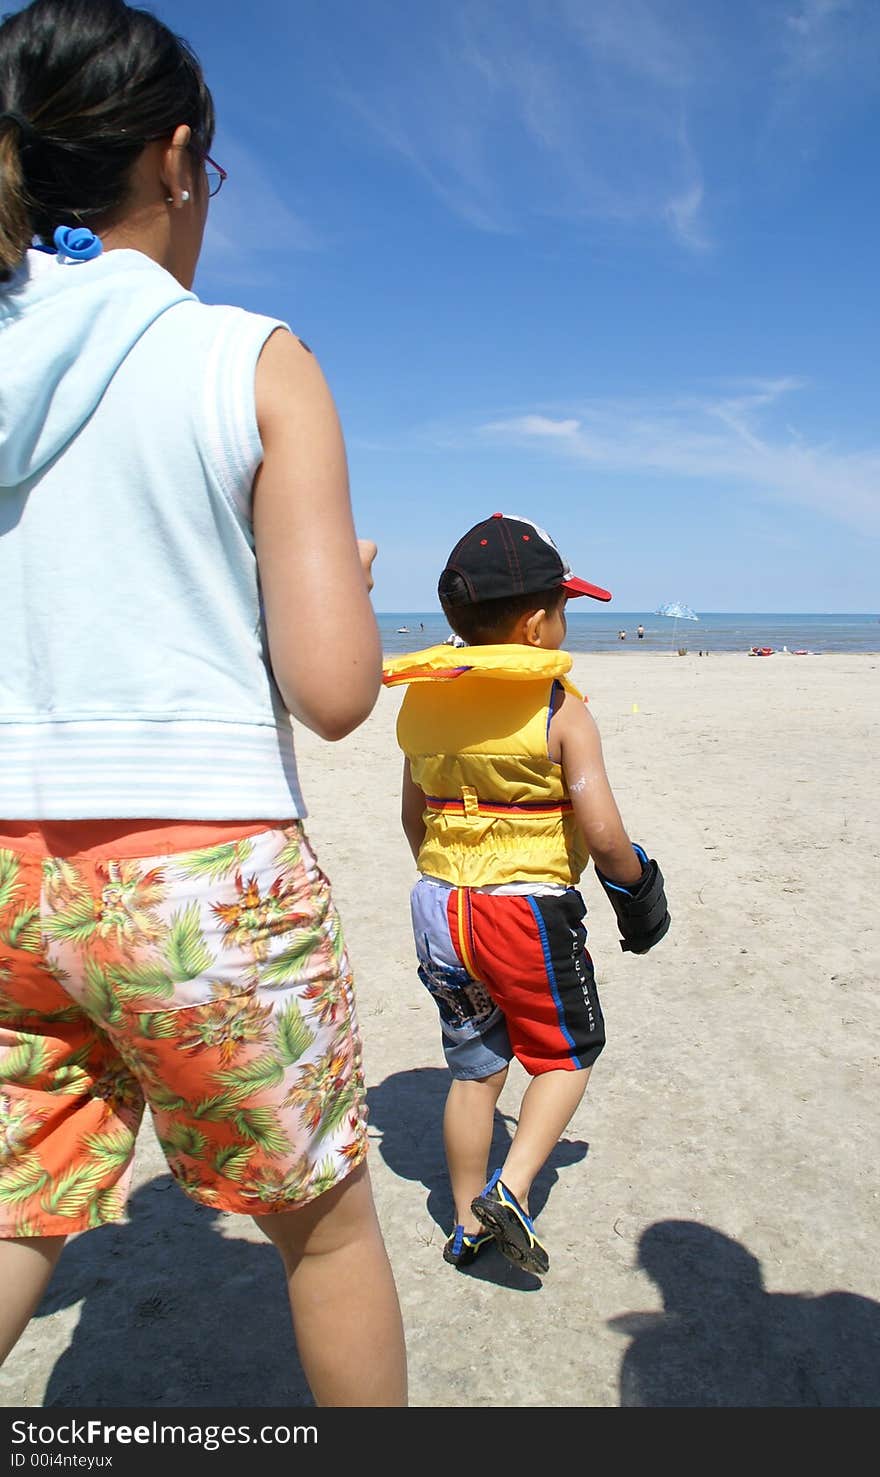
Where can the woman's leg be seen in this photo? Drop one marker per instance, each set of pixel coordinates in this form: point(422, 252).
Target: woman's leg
point(545, 1112)
point(468, 1124)
point(26, 1266)
point(346, 1315)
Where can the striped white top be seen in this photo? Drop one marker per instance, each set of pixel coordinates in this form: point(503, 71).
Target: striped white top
point(178, 768)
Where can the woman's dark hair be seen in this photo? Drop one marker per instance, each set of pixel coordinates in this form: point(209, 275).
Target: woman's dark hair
point(483, 623)
point(84, 85)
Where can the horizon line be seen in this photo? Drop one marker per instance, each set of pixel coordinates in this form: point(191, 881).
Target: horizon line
point(873, 613)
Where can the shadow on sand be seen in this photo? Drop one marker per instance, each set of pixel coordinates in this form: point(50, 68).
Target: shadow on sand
point(173, 1313)
point(407, 1110)
point(722, 1340)
point(144, 1339)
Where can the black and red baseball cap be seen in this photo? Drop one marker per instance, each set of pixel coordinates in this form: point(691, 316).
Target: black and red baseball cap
point(504, 556)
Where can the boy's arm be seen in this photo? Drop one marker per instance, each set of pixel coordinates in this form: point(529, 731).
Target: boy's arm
point(632, 882)
point(595, 807)
point(412, 807)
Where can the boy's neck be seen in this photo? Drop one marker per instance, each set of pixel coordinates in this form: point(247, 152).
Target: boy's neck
point(529, 645)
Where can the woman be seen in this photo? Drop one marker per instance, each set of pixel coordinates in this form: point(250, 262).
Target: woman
point(181, 575)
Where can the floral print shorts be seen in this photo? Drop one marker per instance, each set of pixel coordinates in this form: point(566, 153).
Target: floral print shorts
point(211, 983)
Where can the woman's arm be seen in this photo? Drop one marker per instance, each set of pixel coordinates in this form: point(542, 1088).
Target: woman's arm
point(323, 639)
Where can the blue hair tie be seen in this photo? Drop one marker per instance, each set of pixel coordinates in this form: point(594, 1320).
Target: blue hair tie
point(77, 243)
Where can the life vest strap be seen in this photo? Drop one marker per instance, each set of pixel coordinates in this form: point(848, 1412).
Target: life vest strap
point(470, 804)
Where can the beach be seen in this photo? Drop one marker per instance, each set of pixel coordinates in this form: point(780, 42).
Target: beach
point(710, 1212)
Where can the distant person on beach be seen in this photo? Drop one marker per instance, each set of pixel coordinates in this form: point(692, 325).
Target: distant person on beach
point(505, 798)
point(166, 934)
point(621, 635)
point(640, 632)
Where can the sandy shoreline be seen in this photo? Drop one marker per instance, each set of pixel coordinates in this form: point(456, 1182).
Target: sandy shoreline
point(729, 1131)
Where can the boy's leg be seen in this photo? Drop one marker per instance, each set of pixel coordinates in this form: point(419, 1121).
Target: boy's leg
point(532, 953)
point(502, 1205)
point(468, 1123)
point(26, 1264)
point(346, 1315)
point(547, 1108)
point(475, 1040)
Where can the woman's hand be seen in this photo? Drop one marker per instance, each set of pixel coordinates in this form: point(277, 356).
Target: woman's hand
point(367, 551)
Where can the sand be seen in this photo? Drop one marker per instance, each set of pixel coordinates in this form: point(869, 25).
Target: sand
point(711, 1211)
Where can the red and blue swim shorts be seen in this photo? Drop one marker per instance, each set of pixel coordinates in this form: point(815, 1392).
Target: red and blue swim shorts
point(511, 976)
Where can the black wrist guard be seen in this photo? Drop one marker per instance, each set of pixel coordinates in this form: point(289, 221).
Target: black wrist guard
point(642, 914)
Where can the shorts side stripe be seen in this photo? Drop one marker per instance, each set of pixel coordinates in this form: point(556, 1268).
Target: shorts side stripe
point(464, 942)
point(551, 977)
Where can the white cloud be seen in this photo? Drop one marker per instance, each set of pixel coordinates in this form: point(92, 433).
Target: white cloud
point(712, 439)
point(812, 38)
point(684, 212)
point(631, 34)
point(826, 55)
point(511, 113)
point(536, 425)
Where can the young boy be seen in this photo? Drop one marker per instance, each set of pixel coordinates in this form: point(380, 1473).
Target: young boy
point(505, 798)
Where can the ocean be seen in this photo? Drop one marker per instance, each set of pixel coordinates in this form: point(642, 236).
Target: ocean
point(597, 630)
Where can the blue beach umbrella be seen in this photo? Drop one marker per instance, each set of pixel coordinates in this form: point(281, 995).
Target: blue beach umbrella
point(677, 612)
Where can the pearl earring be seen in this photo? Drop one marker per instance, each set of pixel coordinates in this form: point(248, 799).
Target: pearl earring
point(184, 196)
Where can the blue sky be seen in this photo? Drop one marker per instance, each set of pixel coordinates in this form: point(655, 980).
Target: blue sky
point(611, 264)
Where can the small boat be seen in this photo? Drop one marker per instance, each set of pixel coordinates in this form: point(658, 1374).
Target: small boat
point(403, 630)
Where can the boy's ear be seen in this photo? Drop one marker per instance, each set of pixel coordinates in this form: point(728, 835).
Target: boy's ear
point(533, 626)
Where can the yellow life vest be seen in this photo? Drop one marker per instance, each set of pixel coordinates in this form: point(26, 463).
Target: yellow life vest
point(473, 725)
